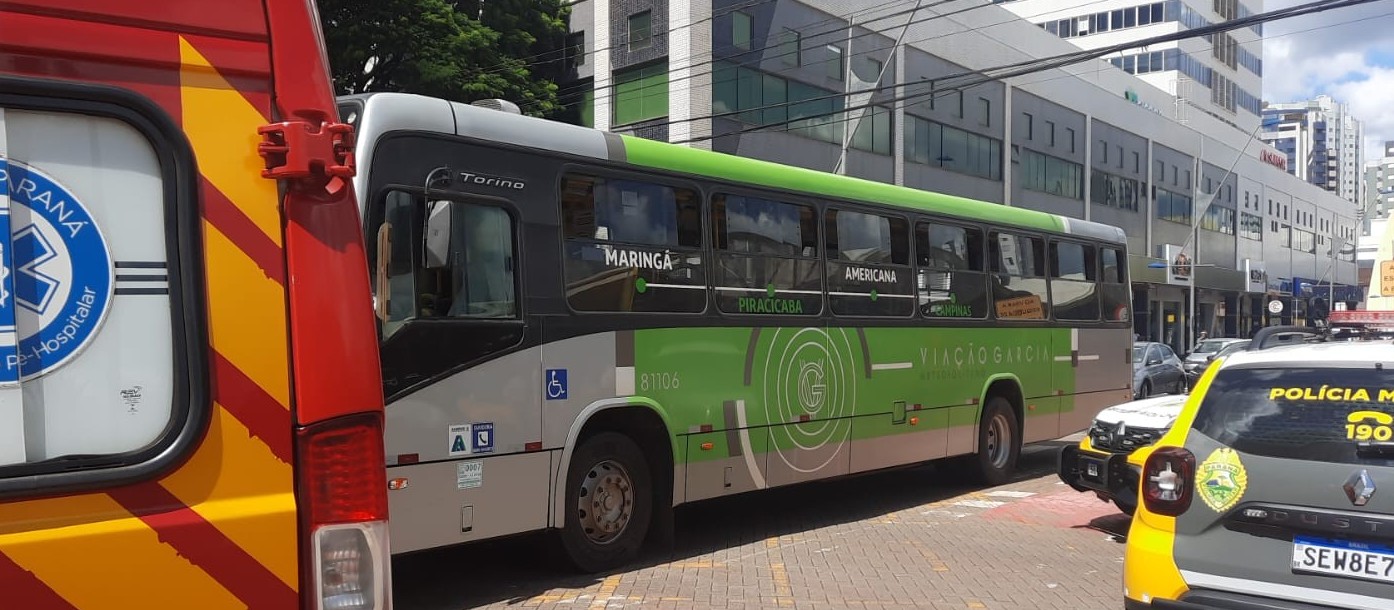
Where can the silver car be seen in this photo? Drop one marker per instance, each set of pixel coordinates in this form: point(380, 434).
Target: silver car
point(1157, 370)
point(1205, 352)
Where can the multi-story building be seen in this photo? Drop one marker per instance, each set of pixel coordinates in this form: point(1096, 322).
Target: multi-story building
point(1220, 75)
point(1374, 224)
point(770, 79)
point(1322, 143)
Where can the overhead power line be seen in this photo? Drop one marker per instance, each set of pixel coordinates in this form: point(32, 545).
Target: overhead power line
point(979, 77)
point(610, 93)
point(547, 57)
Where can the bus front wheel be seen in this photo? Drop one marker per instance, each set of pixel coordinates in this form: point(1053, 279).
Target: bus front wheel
point(609, 503)
point(999, 443)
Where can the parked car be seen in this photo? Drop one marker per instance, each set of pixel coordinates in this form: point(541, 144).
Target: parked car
point(1099, 463)
point(1197, 361)
point(1264, 494)
point(1156, 369)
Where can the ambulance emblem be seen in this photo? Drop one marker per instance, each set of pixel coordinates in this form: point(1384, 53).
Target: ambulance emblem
point(56, 274)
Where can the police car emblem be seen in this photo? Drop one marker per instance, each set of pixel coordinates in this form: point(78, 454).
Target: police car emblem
point(1221, 480)
point(56, 274)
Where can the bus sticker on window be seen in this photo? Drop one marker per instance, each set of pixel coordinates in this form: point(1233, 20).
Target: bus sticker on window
point(55, 274)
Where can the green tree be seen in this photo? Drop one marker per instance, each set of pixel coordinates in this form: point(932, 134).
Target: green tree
point(457, 50)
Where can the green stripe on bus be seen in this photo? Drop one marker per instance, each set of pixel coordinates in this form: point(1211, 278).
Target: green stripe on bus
point(661, 155)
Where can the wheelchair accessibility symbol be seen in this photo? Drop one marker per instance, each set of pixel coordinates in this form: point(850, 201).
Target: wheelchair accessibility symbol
point(554, 384)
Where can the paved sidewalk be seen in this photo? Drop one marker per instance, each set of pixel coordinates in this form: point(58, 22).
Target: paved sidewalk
point(901, 539)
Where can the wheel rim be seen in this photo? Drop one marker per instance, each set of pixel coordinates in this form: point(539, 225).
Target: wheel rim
point(999, 441)
point(1146, 388)
point(606, 502)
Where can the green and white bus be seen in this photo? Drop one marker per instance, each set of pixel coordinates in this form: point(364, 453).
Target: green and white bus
point(581, 330)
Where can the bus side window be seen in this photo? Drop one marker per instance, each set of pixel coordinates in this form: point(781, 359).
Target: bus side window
point(868, 264)
point(632, 246)
point(395, 274)
point(1113, 286)
point(1018, 282)
point(952, 282)
point(467, 271)
point(767, 254)
point(1074, 290)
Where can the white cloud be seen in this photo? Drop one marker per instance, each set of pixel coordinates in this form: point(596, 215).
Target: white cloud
point(1370, 100)
point(1346, 53)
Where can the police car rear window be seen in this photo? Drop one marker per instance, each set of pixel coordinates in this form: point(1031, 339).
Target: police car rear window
point(1320, 414)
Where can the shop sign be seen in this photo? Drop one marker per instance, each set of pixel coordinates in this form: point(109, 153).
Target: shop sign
point(1274, 159)
point(1179, 267)
point(1257, 276)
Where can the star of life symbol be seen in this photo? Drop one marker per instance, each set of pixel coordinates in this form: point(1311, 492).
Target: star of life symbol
point(56, 274)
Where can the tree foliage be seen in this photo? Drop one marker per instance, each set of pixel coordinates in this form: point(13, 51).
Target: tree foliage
point(461, 50)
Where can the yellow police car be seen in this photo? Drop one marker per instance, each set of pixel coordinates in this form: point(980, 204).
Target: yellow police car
point(1099, 463)
point(1274, 488)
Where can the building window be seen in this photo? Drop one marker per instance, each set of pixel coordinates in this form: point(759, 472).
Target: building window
point(640, 30)
point(575, 49)
point(789, 47)
point(873, 68)
point(1218, 219)
point(1070, 138)
point(1174, 207)
point(1030, 125)
point(1114, 191)
point(742, 27)
point(835, 66)
point(1119, 150)
point(873, 132)
point(641, 94)
point(985, 107)
point(1251, 226)
point(1048, 174)
point(809, 111)
point(958, 111)
point(1103, 152)
point(1137, 162)
point(953, 149)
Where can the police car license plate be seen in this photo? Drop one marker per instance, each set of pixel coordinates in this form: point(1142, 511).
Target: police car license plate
point(1092, 469)
point(1341, 558)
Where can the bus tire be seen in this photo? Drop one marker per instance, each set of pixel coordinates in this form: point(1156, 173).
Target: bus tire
point(609, 503)
point(999, 443)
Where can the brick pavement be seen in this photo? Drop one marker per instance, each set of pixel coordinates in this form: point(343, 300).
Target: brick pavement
point(903, 539)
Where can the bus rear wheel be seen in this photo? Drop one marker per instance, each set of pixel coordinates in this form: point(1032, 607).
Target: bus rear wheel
point(999, 443)
point(609, 503)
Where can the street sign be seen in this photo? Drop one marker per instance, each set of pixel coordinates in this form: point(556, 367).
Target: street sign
point(1386, 278)
point(1275, 307)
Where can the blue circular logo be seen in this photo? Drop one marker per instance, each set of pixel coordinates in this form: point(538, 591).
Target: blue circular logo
point(56, 274)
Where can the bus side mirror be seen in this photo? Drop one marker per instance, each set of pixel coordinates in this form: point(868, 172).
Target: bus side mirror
point(438, 232)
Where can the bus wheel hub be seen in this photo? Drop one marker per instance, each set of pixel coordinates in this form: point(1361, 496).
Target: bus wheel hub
point(606, 502)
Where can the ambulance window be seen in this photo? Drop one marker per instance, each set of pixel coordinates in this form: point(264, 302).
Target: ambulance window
point(95, 383)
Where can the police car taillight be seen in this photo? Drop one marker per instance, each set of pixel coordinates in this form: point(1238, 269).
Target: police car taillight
point(1168, 480)
point(343, 500)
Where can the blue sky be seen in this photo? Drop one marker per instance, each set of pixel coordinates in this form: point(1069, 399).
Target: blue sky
point(1346, 53)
